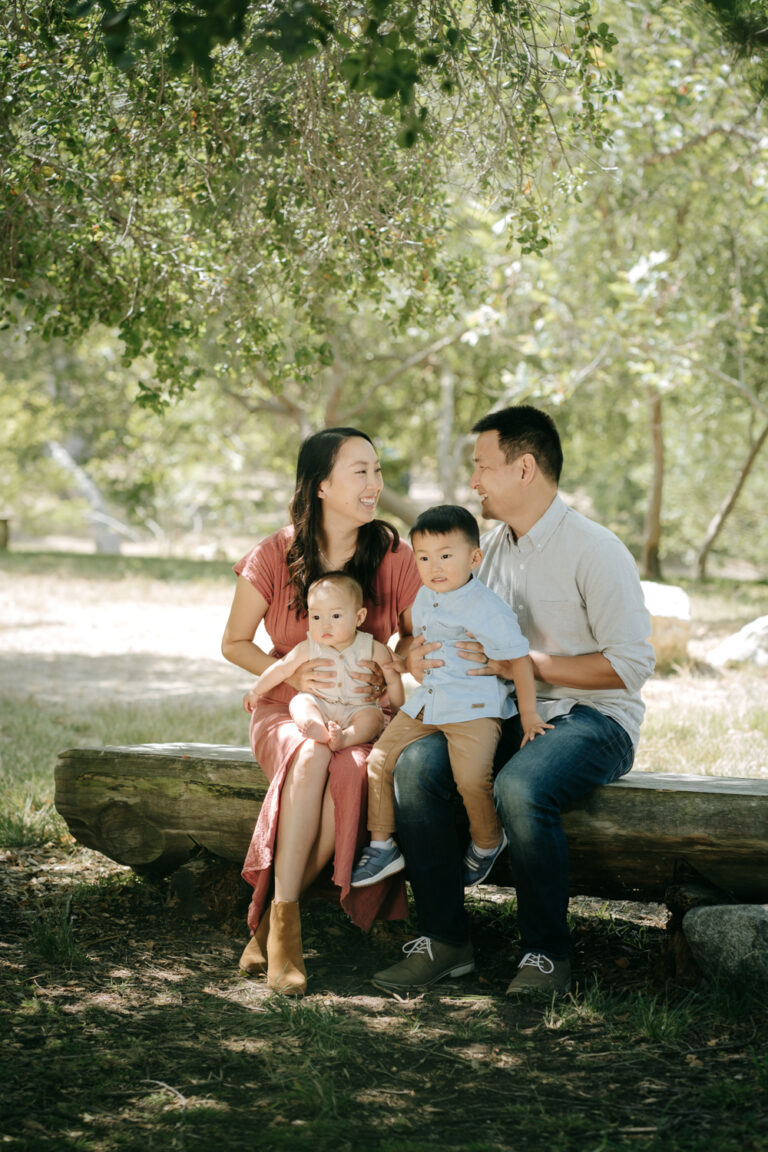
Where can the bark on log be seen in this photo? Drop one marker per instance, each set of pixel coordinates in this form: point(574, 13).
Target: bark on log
point(152, 806)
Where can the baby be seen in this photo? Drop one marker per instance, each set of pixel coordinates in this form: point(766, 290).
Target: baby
point(337, 716)
point(453, 606)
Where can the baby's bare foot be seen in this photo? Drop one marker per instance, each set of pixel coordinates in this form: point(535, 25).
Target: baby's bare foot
point(335, 736)
point(316, 731)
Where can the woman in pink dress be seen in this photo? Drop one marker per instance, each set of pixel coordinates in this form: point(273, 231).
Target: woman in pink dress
point(315, 810)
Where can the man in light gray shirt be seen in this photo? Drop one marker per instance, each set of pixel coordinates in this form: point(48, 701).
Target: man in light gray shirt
point(577, 595)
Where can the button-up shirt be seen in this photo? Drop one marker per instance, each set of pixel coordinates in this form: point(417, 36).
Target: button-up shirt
point(575, 589)
point(448, 693)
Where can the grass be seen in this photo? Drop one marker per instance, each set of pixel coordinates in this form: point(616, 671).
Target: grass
point(725, 606)
point(706, 722)
point(92, 566)
point(127, 1028)
point(52, 936)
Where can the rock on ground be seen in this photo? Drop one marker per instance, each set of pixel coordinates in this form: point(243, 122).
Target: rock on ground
point(730, 940)
point(670, 609)
point(750, 645)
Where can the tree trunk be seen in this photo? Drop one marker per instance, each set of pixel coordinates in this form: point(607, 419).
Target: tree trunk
point(105, 539)
point(155, 805)
point(650, 565)
point(445, 470)
point(717, 522)
point(401, 506)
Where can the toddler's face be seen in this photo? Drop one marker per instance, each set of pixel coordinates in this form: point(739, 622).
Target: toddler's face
point(333, 615)
point(445, 562)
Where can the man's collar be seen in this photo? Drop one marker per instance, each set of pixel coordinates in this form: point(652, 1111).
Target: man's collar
point(538, 535)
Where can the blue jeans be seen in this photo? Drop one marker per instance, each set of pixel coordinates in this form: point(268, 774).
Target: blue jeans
point(583, 750)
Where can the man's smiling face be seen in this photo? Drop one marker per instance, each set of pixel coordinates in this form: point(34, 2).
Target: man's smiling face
point(496, 482)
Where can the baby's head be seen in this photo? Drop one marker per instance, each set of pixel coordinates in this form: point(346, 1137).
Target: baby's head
point(446, 543)
point(335, 608)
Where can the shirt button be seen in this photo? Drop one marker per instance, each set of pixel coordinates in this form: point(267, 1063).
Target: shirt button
point(429, 690)
point(435, 605)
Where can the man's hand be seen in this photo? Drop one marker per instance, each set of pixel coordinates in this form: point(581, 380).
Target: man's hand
point(373, 685)
point(473, 650)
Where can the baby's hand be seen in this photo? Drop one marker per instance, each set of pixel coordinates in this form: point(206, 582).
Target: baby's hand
point(249, 700)
point(395, 663)
point(533, 725)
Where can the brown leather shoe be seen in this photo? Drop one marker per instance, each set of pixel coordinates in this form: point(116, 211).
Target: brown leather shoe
point(285, 960)
point(254, 957)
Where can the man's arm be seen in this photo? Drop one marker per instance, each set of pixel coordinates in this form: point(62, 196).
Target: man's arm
point(619, 626)
point(590, 670)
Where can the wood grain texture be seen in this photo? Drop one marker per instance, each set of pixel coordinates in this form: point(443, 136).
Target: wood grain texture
point(150, 806)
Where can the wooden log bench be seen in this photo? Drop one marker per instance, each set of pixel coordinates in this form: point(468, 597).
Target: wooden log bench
point(155, 806)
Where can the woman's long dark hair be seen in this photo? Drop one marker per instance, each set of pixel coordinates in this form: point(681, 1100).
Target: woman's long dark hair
point(317, 457)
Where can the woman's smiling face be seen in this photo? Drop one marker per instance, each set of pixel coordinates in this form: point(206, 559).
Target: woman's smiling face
point(352, 489)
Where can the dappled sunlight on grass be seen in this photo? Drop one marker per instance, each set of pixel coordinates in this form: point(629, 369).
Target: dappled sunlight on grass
point(712, 724)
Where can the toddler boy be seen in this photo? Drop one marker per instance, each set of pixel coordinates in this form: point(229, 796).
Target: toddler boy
point(453, 606)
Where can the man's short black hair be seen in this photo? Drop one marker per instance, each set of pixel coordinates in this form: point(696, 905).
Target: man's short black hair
point(445, 518)
point(523, 428)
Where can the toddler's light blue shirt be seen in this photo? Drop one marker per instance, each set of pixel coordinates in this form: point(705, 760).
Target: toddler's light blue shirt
point(448, 693)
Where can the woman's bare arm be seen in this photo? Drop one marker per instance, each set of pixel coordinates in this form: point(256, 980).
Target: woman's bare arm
point(248, 610)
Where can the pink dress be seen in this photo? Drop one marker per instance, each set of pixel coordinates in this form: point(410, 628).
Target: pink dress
point(275, 739)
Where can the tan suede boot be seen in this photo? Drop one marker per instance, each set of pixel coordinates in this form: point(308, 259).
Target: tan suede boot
point(285, 961)
point(254, 957)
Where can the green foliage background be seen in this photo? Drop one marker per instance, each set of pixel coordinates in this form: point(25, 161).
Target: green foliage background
point(254, 241)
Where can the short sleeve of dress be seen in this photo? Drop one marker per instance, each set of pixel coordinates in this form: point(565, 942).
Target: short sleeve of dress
point(264, 565)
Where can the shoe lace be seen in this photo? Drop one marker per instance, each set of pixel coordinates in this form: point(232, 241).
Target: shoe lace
point(537, 960)
point(423, 944)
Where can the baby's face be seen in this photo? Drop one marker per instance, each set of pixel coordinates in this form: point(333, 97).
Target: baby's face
point(333, 615)
point(445, 561)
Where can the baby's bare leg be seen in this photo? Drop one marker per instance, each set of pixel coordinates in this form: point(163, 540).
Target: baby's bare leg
point(363, 728)
point(308, 718)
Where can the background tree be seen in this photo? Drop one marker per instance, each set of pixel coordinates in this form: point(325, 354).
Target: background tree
point(182, 208)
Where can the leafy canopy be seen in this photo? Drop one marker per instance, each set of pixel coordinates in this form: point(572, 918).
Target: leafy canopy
point(206, 179)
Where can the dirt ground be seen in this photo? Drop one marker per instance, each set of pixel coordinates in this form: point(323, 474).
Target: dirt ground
point(94, 640)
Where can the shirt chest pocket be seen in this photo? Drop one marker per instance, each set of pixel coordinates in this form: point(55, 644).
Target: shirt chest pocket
point(562, 626)
point(443, 630)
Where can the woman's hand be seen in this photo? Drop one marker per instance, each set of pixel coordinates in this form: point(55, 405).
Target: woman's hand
point(313, 676)
point(373, 685)
point(419, 659)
